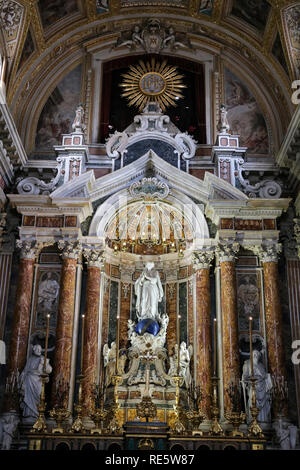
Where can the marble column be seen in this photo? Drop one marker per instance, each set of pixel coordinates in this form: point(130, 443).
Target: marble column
point(230, 347)
point(105, 308)
point(203, 338)
point(95, 263)
point(65, 323)
point(273, 317)
point(21, 320)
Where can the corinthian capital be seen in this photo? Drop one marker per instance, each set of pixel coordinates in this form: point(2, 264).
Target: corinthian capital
point(266, 253)
point(227, 250)
point(29, 248)
point(203, 259)
point(94, 257)
point(70, 249)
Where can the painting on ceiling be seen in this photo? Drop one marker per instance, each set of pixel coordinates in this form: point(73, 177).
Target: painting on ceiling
point(244, 115)
point(277, 51)
point(292, 25)
point(102, 6)
point(28, 49)
point(206, 6)
point(59, 112)
point(53, 10)
point(254, 12)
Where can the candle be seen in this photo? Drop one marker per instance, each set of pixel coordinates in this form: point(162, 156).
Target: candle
point(178, 340)
point(250, 341)
point(215, 347)
point(46, 341)
point(82, 341)
point(117, 344)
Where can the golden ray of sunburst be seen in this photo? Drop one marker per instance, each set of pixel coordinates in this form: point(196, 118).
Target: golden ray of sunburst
point(155, 81)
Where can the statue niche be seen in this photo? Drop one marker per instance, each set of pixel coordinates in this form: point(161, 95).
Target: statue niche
point(147, 357)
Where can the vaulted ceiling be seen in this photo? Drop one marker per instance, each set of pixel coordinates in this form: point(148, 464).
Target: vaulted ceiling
point(40, 37)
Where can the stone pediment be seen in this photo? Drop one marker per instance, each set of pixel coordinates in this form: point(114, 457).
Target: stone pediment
point(150, 164)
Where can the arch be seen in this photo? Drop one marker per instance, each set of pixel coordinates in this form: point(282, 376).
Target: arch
point(62, 446)
point(88, 446)
point(203, 447)
point(114, 447)
point(179, 201)
point(177, 448)
point(229, 447)
point(206, 51)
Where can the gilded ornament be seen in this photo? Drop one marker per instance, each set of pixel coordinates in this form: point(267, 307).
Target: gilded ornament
point(152, 82)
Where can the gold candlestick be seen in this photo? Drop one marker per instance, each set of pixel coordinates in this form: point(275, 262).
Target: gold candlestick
point(117, 344)
point(46, 342)
point(178, 341)
point(82, 344)
point(250, 340)
point(215, 347)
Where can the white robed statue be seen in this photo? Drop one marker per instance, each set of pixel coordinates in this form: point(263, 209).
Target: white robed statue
point(30, 381)
point(149, 292)
point(263, 387)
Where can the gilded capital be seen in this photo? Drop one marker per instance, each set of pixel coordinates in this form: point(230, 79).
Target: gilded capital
point(266, 253)
point(227, 251)
point(29, 248)
point(94, 257)
point(70, 249)
point(203, 259)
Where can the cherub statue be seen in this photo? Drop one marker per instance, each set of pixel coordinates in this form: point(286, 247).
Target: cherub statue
point(109, 357)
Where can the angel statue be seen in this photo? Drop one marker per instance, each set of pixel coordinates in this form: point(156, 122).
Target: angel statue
point(109, 357)
point(185, 355)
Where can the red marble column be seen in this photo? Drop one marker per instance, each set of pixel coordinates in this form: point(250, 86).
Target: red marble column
point(203, 355)
point(273, 317)
point(21, 321)
point(65, 324)
point(90, 345)
point(202, 347)
point(231, 362)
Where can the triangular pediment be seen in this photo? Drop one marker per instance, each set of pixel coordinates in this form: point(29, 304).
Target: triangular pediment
point(150, 164)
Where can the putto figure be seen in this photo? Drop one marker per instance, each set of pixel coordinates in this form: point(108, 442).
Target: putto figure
point(149, 292)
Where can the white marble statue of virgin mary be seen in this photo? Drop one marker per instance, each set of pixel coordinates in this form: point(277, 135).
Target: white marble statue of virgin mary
point(149, 292)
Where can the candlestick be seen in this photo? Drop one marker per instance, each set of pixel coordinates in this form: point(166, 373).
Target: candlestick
point(215, 347)
point(46, 341)
point(117, 344)
point(178, 341)
point(250, 340)
point(82, 342)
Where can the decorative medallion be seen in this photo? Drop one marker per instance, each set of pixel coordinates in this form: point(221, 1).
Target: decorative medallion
point(153, 82)
point(149, 188)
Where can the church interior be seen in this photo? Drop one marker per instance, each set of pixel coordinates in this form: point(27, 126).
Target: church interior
point(149, 225)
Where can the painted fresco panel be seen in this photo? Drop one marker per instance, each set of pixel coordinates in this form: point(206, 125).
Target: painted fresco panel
point(249, 299)
point(59, 112)
point(53, 10)
point(47, 294)
point(254, 12)
point(244, 115)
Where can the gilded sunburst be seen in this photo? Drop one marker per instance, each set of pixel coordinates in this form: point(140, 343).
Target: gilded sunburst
point(152, 81)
